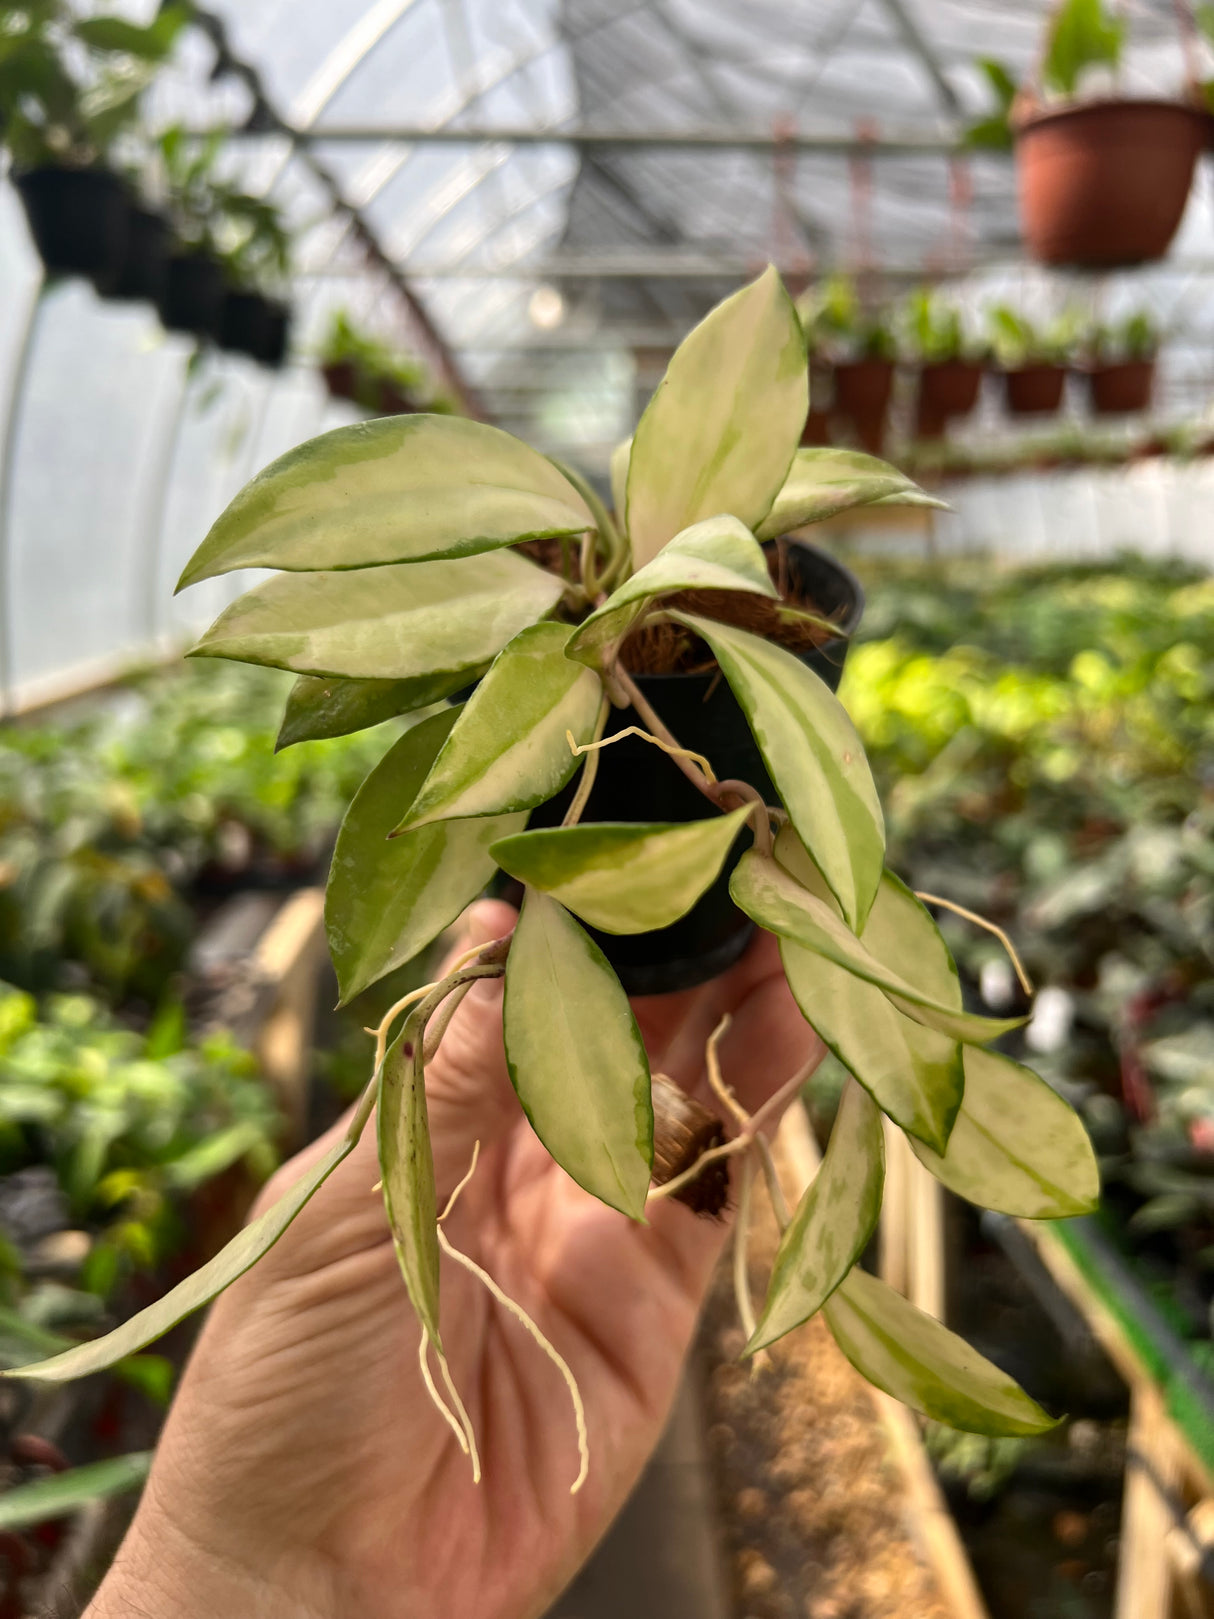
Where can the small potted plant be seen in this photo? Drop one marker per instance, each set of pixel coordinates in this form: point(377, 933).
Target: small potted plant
point(255, 252)
point(862, 350)
point(358, 366)
point(1121, 367)
point(950, 365)
point(69, 93)
point(421, 555)
point(1103, 179)
point(1032, 359)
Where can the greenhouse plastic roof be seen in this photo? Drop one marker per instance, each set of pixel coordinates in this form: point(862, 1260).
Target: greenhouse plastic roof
point(664, 151)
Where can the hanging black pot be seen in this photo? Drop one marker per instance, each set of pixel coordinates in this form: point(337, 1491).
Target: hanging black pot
point(145, 264)
point(193, 294)
point(80, 220)
point(277, 334)
point(637, 782)
point(244, 321)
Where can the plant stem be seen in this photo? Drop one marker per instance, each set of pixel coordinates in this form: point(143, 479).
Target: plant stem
point(590, 769)
point(1026, 983)
point(717, 791)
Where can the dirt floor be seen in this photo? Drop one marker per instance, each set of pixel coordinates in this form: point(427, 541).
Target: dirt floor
point(810, 1504)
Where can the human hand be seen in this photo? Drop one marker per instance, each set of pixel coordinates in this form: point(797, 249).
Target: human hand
point(303, 1471)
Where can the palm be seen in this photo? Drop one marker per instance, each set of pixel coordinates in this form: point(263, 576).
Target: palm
point(333, 1446)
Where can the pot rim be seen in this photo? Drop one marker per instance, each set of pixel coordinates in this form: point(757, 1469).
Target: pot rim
point(847, 626)
point(1106, 109)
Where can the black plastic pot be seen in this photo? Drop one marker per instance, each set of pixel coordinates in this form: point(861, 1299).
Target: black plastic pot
point(277, 334)
point(637, 782)
point(80, 220)
point(193, 294)
point(146, 261)
point(244, 323)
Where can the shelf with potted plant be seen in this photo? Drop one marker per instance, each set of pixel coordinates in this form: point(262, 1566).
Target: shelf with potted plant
point(70, 91)
point(951, 361)
point(1103, 178)
point(856, 340)
point(422, 557)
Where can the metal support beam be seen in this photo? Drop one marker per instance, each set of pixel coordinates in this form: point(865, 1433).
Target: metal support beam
point(917, 42)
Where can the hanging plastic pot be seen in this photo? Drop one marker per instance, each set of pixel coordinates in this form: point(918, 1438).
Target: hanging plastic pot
point(341, 379)
point(244, 323)
point(1034, 390)
point(394, 401)
point(193, 294)
point(1105, 183)
point(145, 265)
point(949, 388)
point(817, 429)
point(862, 393)
point(80, 220)
point(636, 782)
point(277, 334)
point(1118, 390)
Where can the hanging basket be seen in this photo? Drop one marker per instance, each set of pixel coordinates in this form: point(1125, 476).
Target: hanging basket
point(244, 323)
point(949, 388)
point(1034, 390)
point(145, 264)
point(277, 334)
point(862, 393)
point(1105, 183)
point(193, 294)
point(1119, 390)
point(79, 219)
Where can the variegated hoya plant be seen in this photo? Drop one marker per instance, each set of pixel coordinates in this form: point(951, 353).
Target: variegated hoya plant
point(400, 584)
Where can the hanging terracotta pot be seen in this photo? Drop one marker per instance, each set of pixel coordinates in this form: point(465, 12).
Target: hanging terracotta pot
point(949, 387)
point(816, 431)
point(1105, 183)
point(341, 379)
point(1034, 390)
point(862, 390)
point(1117, 390)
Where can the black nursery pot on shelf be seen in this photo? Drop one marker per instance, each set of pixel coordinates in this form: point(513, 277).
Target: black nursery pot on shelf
point(145, 263)
point(80, 221)
point(193, 294)
point(637, 782)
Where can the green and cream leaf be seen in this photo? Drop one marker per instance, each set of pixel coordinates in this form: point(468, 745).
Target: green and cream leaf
point(1016, 1145)
point(923, 1364)
point(718, 554)
point(386, 901)
point(407, 488)
point(824, 482)
point(406, 1165)
point(623, 877)
point(720, 431)
point(832, 1223)
point(320, 706)
point(815, 758)
point(576, 1057)
point(415, 621)
point(777, 902)
point(509, 749)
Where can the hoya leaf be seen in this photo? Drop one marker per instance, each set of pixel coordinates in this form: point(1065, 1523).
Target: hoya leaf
point(778, 903)
point(824, 482)
point(509, 749)
point(62, 1493)
point(623, 878)
point(406, 1165)
point(576, 1057)
point(205, 1284)
point(832, 1223)
point(405, 488)
point(911, 1356)
point(718, 554)
point(1016, 1145)
point(914, 1073)
point(815, 757)
point(326, 705)
point(418, 620)
point(720, 431)
point(619, 480)
point(386, 901)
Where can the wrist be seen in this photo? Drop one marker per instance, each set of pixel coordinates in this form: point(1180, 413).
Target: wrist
point(162, 1571)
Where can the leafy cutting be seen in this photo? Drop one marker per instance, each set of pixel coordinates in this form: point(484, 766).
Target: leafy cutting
point(561, 610)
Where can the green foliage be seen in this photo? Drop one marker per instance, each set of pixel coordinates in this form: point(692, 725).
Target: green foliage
point(1017, 341)
point(130, 1123)
point(378, 370)
point(935, 328)
point(211, 213)
point(994, 131)
point(1135, 337)
point(713, 462)
point(1082, 35)
point(839, 327)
